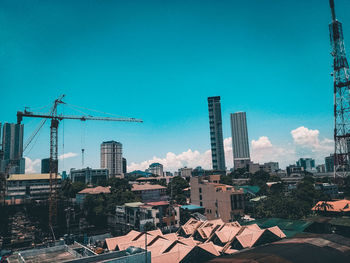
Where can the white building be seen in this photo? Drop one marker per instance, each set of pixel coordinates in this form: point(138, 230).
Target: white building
point(185, 172)
point(155, 168)
point(111, 158)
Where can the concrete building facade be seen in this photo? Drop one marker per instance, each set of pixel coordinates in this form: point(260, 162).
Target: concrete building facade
point(111, 158)
point(149, 192)
point(185, 172)
point(329, 163)
point(89, 175)
point(21, 188)
point(307, 163)
point(216, 138)
point(156, 168)
point(240, 142)
point(219, 200)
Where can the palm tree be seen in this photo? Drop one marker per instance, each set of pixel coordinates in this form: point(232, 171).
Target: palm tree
point(323, 206)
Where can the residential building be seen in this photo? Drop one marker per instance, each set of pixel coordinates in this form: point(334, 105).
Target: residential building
point(111, 158)
point(185, 172)
point(188, 211)
point(80, 196)
point(197, 241)
point(165, 247)
point(307, 163)
point(240, 142)
point(219, 200)
point(45, 166)
point(21, 188)
point(150, 192)
point(159, 214)
point(12, 148)
point(156, 169)
point(216, 138)
point(89, 175)
point(329, 163)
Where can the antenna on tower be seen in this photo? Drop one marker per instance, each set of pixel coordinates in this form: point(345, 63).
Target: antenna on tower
point(331, 3)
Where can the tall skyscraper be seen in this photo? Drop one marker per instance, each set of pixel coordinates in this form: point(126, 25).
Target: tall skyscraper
point(12, 147)
point(111, 158)
point(240, 143)
point(215, 123)
point(12, 141)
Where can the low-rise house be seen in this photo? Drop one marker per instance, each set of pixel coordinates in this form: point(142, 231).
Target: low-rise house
point(159, 214)
point(196, 241)
point(150, 192)
point(21, 188)
point(187, 212)
point(80, 196)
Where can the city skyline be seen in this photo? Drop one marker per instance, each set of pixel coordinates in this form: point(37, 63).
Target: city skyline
point(139, 71)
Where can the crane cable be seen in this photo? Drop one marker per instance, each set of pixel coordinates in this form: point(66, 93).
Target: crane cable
point(106, 113)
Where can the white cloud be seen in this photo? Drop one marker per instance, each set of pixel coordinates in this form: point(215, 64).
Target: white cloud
point(67, 155)
point(262, 150)
point(308, 138)
point(306, 143)
point(32, 166)
point(172, 161)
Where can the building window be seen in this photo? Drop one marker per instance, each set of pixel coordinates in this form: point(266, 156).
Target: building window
point(201, 203)
point(200, 197)
point(200, 190)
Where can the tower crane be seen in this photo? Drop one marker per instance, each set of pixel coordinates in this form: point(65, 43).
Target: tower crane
point(55, 119)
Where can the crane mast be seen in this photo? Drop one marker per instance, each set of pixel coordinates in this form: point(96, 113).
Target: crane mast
point(55, 119)
point(341, 85)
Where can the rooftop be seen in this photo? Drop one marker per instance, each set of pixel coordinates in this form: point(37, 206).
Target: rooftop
point(96, 190)
point(144, 187)
point(27, 177)
point(134, 204)
point(191, 207)
point(333, 206)
point(321, 248)
point(155, 164)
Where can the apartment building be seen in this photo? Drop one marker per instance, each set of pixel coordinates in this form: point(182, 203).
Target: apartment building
point(219, 200)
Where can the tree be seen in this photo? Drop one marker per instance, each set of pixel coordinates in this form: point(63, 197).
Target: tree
point(323, 206)
point(175, 189)
point(226, 179)
point(149, 226)
point(69, 189)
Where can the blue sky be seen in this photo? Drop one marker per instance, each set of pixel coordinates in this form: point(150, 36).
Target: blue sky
point(159, 61)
